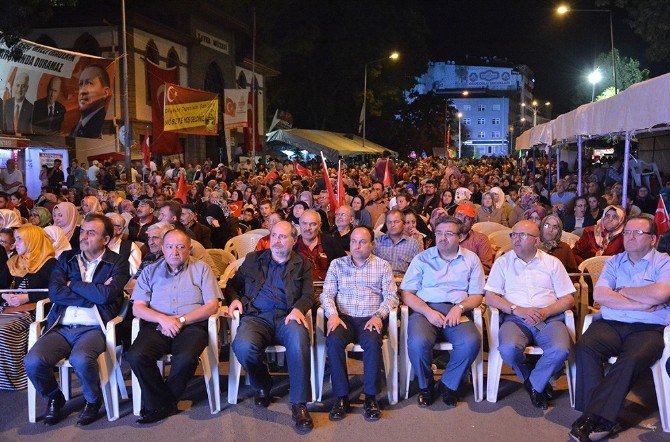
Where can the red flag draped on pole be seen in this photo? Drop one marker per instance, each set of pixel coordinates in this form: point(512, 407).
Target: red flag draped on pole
point(387, 175)
point(448, 137)
point(661, 217)
point(146, 149)
point(164, 143)
point(340, 185)
point(301, 170)
point(329, 185)
point(182, 189)
point(236, 208)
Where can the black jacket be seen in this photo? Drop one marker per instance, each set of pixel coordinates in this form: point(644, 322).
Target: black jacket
point(250, 277)
point(107, 298)
point(200, 233)
point(569, 222)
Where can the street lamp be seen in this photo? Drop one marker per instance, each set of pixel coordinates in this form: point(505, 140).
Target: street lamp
point(460, 116)
point(393, 56)
point(594, 77)
point(534, 106)
point(563, 9)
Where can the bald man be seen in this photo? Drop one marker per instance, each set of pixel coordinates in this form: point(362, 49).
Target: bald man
point(18, 112)
point(532, 290)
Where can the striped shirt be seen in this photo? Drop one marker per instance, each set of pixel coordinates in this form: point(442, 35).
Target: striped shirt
point(359, 291)
point(400, 254)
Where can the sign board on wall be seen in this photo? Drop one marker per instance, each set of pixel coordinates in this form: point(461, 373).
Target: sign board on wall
point(212, 42)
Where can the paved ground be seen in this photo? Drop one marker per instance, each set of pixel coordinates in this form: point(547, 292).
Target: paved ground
point(512, 418)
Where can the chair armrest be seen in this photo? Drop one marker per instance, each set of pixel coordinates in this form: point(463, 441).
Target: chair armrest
point(234, 323)
point(666, 336)
point(393, 324)
point(39, 309)
point(34, 333)
point(135, 329)
point(494, 327)
point(570, 324)
point(588, 319)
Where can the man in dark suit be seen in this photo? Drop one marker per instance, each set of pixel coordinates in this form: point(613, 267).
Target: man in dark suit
point(18, 112)
point(48, 113)
point(94, 94)
point(195, 229)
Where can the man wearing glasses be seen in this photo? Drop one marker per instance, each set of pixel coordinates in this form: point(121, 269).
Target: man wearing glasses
point(633, 291)
point(532, 290)
point(442, 286)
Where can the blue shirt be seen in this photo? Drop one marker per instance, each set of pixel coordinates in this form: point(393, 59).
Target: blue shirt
point(435, 279)
point(273, 293)
point(400, 254)
point(565, 199)
point(620, 272)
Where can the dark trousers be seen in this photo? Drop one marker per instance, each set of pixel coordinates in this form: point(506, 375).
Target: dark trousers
point(81, 345)
point(151, 345)
point(636, 345)
point(370, 342)
point(255, 333)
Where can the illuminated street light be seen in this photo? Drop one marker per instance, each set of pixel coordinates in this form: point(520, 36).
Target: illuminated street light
point(563, 9)
point(466, 93)
point(534, 106)
point(393, 56)
point(594, 77)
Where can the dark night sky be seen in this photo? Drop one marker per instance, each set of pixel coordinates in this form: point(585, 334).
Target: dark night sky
point(560, 49)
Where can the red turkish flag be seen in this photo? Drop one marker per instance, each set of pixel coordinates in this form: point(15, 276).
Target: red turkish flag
point(387, 181)
point(329, 185)
point(661, 217)
point(340, 185)
point(236, 208)
point(301, 170)
point(146, 148)
point(182, 189)
point(165, 143)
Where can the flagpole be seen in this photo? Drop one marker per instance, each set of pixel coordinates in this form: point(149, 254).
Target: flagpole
point(253, 93)
point(126, 112)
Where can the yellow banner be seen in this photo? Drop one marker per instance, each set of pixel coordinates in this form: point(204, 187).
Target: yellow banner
point(200, 114)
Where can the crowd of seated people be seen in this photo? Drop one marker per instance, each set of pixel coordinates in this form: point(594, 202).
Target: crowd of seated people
point(414, 240)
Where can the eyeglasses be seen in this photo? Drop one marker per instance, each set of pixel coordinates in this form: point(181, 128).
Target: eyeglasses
point(447, 234)
point(522, 235)
point(550, 226)
point(635, 233)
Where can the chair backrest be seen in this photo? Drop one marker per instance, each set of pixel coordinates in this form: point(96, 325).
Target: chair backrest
point(221, 258)
point(488, 227)
point(261, 232)
point(569, 238)
point(240, 245)
point(593, 267)
point(500, 239)
point(380, 221)
point(230, 272)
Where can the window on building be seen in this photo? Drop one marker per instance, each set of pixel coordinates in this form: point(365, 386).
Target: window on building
point(467, 121)
point(481, 108)
point(481, 120)
point(490, 149)
point(173, 61)
point(496, 121)
point(151, 54)
point(482, 134)
point(496, 107)
point(496, 134)
point(467, 107)
point(87, 44)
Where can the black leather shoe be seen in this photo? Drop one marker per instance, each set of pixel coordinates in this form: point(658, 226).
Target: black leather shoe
point(340, 409)
point(425, 397)
point(54, 405)
point(582, 428)
point(371, 410)
point(536, 398)
point(151, 416)
point(549, 393)
point(303, 421)
point(449, 396)
point(90, 413)
point(262, 398)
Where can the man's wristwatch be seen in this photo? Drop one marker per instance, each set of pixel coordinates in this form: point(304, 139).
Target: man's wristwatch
point(182, 320)
point(461, 307)
point(378, 315)
point(512, 308)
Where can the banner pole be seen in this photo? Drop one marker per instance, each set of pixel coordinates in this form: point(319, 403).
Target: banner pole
point(253, 93)
point(126, 113)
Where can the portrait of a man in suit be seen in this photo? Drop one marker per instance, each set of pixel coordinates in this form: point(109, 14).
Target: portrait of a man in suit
point(94, 95)
point(49, 112)
point(18, 111)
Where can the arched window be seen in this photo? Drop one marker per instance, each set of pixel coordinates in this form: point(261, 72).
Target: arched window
point(87, 44)
point(214, 83)
point(46, 41)
point(173, 61)
point(151, 54)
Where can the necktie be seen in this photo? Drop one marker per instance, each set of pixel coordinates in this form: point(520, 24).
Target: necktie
point(16, 118)
point(51, 110)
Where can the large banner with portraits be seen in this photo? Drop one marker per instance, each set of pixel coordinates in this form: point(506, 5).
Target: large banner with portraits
point(48, 91)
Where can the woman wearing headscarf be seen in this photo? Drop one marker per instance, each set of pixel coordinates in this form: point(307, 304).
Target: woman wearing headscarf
point(31, 268)
point(220, 224)
point(489, 212)
point(90, 204)
point(551, 230)
point(9, 219)
point(447, 201)
point(58, 239)
point(66, 217)
point(536, 214)
point(605, 238)
point(40, 216)
point(500, 203)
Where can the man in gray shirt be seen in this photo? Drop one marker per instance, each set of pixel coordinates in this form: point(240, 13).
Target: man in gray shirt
point(173, 298)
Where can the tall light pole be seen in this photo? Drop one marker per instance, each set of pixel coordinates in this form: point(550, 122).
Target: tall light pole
point(460, 116)
point(535, 106)
point(594, 77)
point(393, 56)
point(562, 10)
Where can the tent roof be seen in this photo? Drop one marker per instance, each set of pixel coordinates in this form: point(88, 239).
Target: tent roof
point(332, 144)
point(638, 108)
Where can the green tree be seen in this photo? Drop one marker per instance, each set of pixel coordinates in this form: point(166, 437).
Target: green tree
point(628, 72)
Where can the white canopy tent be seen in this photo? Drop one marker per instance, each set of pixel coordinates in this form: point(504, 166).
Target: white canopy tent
point(635, 110)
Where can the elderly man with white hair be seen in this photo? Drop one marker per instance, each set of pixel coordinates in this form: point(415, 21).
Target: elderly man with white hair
point(124, 247)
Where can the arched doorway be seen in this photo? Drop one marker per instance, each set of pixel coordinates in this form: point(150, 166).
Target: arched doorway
point(215, 146)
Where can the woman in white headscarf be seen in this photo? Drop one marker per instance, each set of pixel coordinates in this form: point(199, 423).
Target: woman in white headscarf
point(9, 219)
point(58, 238)
point(500, 202)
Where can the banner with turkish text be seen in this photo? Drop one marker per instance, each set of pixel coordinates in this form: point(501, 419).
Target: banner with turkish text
point(235, 108)
point(191, 111)
point(164, 143)
point(48, 91)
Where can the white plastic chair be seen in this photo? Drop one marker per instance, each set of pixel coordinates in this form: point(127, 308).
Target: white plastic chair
point(209, 360)
point(235, 370)
point(221, 258)
point(592, 267)
point(661, 378)
point(261, 232)
point(500, 239)
point(111, 378)
point(496, 362)
point(240, 245)
point(569, 238)
point(407, 371)
point(489, 227)
point(389, 354)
